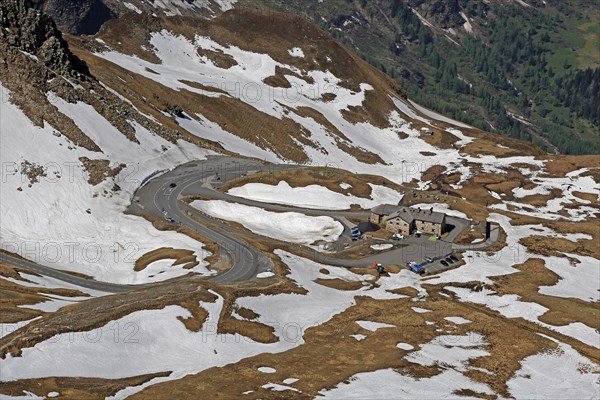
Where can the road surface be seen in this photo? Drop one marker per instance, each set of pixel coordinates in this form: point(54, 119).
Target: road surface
point(159, 196)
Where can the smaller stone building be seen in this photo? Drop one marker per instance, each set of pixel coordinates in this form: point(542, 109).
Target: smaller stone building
point(405, 220)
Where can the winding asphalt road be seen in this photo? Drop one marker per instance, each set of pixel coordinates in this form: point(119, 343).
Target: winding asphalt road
point(157, 197)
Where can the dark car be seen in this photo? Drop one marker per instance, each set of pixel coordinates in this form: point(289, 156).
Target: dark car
point(453, 258)
point(449, 260)
point(172, 185)
point(444, 263)
point(171, 220)
point(417, 235)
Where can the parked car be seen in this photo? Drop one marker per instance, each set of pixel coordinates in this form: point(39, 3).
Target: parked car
point(417, 235)
point(428, 259)
point(173, 185)
point(453, 258)
point(416, 268)
point(444, 263)
point(397, 236)
point(449, 260)
point(171, 220)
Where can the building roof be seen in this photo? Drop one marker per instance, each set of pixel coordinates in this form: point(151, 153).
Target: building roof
point(403, 214)
point(385, 209)
point(428, 215)
point(409, 214)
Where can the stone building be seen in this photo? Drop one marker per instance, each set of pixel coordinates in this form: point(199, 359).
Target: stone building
point(404, 220)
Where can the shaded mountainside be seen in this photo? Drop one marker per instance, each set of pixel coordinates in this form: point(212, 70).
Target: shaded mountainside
point(497, 65)
point(85, 17)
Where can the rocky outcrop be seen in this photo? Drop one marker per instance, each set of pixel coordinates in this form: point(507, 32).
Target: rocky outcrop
point(35, 60)
point(82, 17)
point(30, 31)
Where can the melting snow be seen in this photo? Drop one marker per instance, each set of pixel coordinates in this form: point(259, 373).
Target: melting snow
point(296, 52)
point(373, 326)
point(288, 226)
point(313, 196)
point(405, 346)
point(458, 320)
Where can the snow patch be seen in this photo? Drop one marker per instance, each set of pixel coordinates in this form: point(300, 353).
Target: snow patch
point(373, 326)
point(296, 52)
point(405, 346)
point(313, 196)
point(288, 226)
point(458, 320)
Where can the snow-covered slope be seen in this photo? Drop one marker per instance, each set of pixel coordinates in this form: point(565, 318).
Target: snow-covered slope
point(64, 221)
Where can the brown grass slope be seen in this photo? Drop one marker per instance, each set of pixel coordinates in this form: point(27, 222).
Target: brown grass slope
point(250, 30)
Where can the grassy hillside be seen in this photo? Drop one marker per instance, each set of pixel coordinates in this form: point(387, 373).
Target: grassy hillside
point(511, 67)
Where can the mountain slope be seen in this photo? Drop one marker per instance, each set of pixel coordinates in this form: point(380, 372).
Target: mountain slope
point(498, 65)
point(512, 320)
point(74, 153)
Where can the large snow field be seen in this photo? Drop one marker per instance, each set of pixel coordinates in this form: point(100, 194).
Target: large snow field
point(313, 196)
point(154, 340)
point(288, 226)
point(558, 374)
point(510, 306)
point(572, 182)
point(389, 384)
point(64, 222)
point(142, 342)
point(319, 305)
point(446, 351)
point(580, 281)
